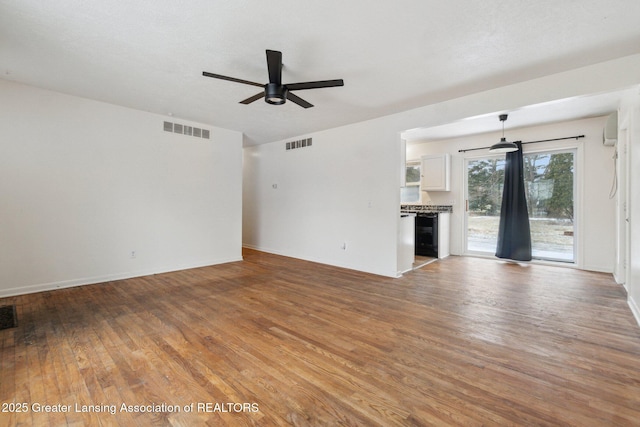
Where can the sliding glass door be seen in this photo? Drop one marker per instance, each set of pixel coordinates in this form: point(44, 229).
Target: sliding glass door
point(550, 183)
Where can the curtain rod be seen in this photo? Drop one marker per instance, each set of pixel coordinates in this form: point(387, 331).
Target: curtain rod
point(529, 142)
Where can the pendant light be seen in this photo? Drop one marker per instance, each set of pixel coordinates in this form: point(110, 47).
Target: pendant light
point(503, 146)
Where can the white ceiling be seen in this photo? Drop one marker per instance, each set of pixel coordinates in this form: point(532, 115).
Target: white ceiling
point(549, 112)
point(393, 56)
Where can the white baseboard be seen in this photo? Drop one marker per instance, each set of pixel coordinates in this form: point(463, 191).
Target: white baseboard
point(332, 263)
point(42, 287)
point(598, 269)
point(261, 249)
point(634, 309)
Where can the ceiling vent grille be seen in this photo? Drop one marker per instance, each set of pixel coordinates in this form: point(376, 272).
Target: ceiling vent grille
point(302, 143)
point(186, 130)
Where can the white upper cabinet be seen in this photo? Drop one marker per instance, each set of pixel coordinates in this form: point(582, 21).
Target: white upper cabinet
point(435, 172)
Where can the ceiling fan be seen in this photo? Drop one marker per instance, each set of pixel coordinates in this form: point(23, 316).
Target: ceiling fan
point(275, 92)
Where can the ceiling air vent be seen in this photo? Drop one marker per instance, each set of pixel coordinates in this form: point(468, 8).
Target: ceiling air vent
point(186, 130)
point(302, 143)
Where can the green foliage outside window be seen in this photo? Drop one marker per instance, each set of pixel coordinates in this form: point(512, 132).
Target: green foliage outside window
point(548, 178)
point(560, 170)
point(485, 180)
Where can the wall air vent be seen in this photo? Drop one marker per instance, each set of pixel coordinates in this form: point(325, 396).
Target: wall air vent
point(302, 143)
point(186, 130)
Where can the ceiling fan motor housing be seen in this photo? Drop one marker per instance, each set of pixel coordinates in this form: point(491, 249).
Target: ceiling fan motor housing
point(275, 94)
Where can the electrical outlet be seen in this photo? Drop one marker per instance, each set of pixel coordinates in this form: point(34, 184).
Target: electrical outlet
point(133, 254)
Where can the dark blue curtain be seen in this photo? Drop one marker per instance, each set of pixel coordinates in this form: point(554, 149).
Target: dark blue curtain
point(514, 234)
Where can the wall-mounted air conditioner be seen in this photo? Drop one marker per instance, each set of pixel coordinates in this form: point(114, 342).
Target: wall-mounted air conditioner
point(610, 132)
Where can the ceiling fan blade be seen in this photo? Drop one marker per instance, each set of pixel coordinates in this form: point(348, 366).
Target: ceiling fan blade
point(315, 85)
point(301, 102)
point(253, 98)
point(274, 64)
point(231, 79)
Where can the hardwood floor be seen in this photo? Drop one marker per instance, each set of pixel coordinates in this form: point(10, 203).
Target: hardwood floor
point(420, 261)
point(276, 341)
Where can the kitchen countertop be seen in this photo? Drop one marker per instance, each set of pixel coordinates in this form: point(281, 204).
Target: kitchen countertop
point(426, 208)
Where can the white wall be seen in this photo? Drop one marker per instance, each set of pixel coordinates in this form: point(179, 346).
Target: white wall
point(630, 114)
point(84, 183)
point(342, 189)
point(595, 171)
point(323, 191)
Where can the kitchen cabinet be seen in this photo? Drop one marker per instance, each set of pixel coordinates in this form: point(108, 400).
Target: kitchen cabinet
point(435, 172)
point(444, 228)
point(406, 243)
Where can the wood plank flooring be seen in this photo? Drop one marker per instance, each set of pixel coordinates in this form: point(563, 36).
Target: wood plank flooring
point(274, 341)
point(420, 261)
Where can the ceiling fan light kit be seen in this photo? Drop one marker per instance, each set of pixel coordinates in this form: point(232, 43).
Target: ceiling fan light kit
point(503, 146)
point(276, 93)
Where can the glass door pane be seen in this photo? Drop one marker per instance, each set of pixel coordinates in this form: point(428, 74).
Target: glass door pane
point(549, 179)
point(485, 179)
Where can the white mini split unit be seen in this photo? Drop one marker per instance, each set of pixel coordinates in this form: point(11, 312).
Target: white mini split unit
point(610, 132)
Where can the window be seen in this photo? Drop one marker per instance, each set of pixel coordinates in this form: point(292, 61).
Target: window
point(413, 173)
point(411, 192)
point(549, 180)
